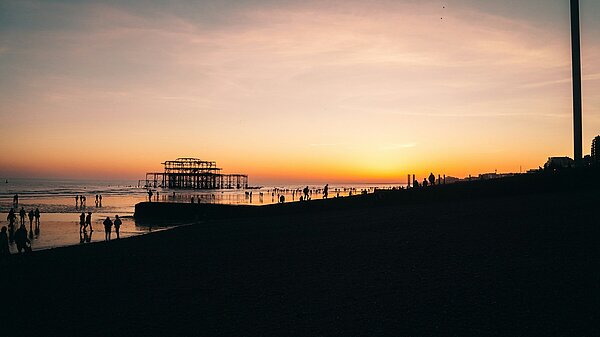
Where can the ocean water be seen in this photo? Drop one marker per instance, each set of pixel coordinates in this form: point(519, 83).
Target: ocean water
point(59, 220)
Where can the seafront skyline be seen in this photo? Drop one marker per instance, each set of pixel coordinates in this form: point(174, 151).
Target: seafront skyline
point(291, 91)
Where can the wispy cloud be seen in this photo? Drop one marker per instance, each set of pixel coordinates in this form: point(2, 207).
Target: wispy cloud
point(388, 147)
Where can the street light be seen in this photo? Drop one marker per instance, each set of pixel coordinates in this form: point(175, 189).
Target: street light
point(576, 63)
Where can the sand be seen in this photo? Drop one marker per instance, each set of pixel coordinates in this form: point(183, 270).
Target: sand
point(511, 265)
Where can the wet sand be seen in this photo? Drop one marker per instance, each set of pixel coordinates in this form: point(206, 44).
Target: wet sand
point(517, 264)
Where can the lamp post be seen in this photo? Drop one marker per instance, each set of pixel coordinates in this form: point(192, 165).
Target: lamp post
point(576, 63)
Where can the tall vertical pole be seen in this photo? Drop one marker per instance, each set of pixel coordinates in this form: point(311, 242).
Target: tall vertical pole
point(576, 61)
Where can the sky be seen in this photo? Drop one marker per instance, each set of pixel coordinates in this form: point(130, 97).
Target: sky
point(291, 91)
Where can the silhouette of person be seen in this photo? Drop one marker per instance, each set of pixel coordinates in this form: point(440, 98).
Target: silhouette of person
point(431, 179)
point(37, 217)
point(149, 195)
point(117, 224)
point(31, 217)
point(96, 200)
point(107, 228)
point(424, 182)
point(88, 221)
point(282, 199)
point(22, 215)
point(76, 200)
point(100, 201)
point(4, 251)
point(16, 200)
point(326, 191)
point(12, 218)
point(306, 191)
point(21, 239)
point(81, 221)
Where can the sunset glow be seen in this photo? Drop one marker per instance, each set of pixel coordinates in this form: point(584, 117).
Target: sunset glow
point(291, 91)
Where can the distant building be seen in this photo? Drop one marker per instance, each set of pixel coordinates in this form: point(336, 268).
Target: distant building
point(596, 149)
point(557, 163)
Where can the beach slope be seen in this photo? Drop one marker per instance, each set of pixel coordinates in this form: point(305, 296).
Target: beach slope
point(496, 265)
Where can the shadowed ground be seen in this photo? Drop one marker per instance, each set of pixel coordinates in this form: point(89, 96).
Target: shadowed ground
point(513, 265)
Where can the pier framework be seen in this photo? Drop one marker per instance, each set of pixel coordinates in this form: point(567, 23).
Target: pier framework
point(193, 173)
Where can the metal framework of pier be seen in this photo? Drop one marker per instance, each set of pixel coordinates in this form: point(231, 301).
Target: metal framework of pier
point(193, 173)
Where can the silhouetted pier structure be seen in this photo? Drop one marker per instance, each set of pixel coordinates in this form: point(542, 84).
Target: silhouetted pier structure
point(193, 173)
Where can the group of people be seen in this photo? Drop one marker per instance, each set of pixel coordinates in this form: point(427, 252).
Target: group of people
point(20, 236)
point(81, 201)
point(429, 181)
point(86, 220)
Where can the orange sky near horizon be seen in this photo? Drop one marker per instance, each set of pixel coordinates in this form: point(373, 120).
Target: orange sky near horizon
point(291, 92)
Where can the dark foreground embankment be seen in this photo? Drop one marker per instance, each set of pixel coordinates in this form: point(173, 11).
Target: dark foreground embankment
point(507, 266)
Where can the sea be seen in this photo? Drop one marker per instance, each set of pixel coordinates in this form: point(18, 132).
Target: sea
point(60, 205)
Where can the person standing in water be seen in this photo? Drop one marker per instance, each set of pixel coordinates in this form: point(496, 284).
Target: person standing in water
point(12, 219)
point(88, 221)
point(22, 215)
point(81, 221)
point(107, 228)
point(31, 216)
point(117, 224)
point(37, 217)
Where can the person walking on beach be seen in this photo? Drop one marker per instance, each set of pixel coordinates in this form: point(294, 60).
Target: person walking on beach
point(31, 216)
point(37, 217)
point(88, 221)
point(22, 215)
point(326, 191)
point(117, 224)
point(306, 190)
point(107, 228)
point(12, 218)
point(100, 200)
point(81, 221)
point(30, 224)
point(96, 200)
point(76, 200)
point(4, 252)
point(149, 195)
point(21, 239)
point(16, 200)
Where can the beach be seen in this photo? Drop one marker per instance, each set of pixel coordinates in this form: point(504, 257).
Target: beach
point(60, 210)
point(517, 264)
